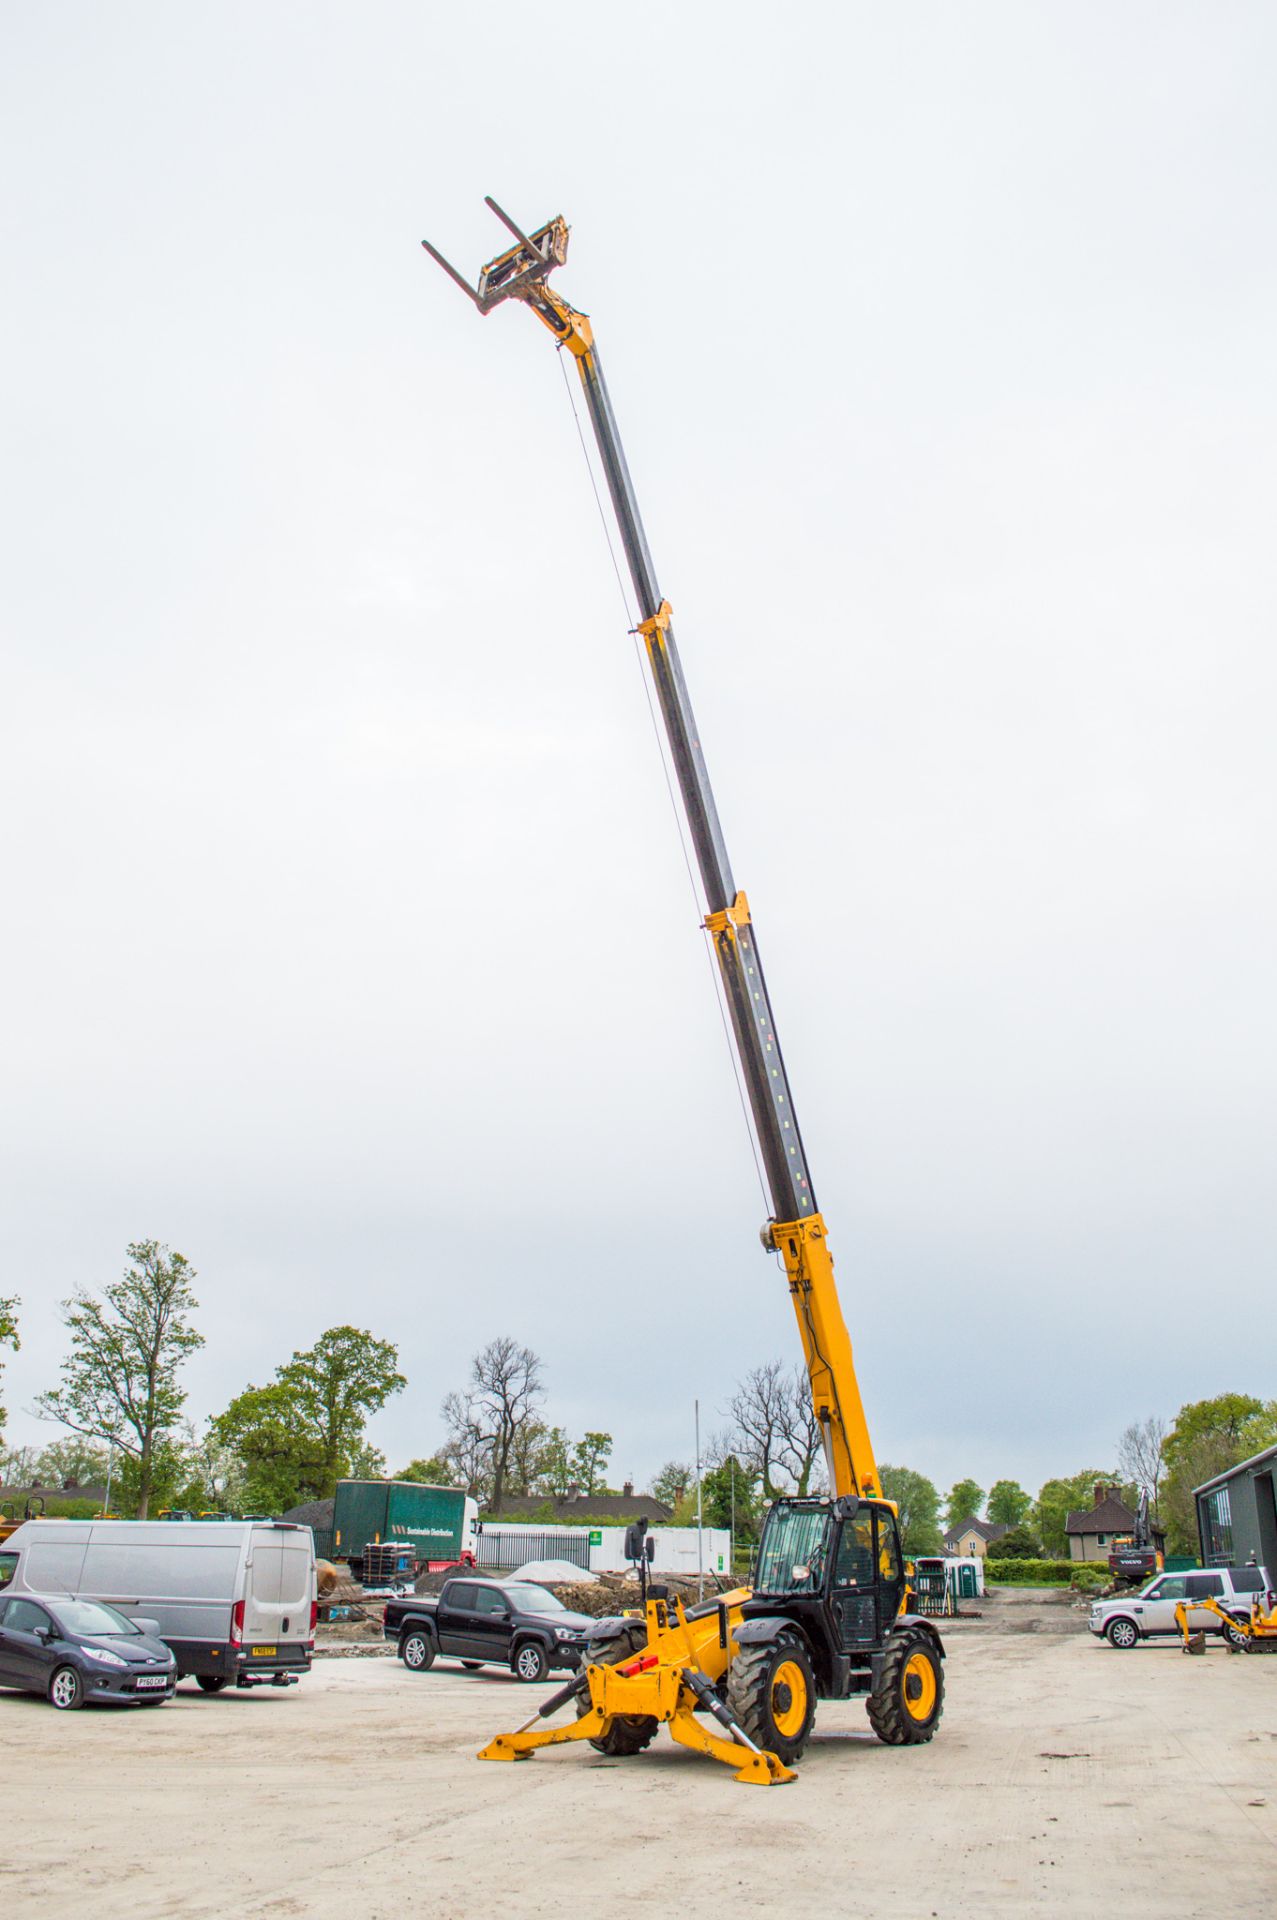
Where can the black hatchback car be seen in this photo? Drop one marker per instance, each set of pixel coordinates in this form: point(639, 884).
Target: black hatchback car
point(77, 1650)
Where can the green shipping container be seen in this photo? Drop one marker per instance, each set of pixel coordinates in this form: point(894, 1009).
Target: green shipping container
point(429, 1519)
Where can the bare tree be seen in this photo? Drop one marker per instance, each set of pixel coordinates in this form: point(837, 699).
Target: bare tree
point(775, 1430)
point(1139, 1455)
point(486, 1423)
point(465, 1451)
point(801, 1451)
point(759, 1413)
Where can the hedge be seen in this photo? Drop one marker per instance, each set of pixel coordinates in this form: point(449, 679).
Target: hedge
point(1045, 1573)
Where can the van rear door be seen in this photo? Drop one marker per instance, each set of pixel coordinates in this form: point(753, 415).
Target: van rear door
point(279, 1586)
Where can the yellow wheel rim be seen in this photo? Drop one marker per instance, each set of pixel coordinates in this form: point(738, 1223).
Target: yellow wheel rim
point(919, 1687)
point(789, 1684)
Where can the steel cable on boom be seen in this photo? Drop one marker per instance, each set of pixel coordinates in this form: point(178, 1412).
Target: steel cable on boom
point(669, 788)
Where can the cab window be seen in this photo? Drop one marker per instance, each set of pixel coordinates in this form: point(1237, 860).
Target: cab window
point(488, 1600)
point(1200, 1585)
point(888, 1550)
point(462, 1596)
point(1172, 1587)
point(8, 1567)
point(855, 1562)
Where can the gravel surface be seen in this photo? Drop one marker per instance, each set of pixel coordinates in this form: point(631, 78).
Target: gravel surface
point(1066, 1779)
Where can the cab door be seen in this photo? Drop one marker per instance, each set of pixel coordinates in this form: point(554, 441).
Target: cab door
point(853, 1595)
point(891, 1570)
point(27, 1657)
point(456, 1619)
point(1155, 1607)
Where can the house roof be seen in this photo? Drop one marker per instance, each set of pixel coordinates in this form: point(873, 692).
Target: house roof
point(588, 1506)
point(1111, 1516)
point(988, 1530)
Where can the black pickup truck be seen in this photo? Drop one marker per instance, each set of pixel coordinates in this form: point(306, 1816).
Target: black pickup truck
point(505, 1623)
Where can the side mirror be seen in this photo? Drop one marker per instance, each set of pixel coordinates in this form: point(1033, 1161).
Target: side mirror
point(649, 1548)
point(148, 1626)
point(48, 1635)
point(634, 1536)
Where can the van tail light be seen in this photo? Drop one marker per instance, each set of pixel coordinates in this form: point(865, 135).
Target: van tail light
point(237, 1624)
point(314, 1622)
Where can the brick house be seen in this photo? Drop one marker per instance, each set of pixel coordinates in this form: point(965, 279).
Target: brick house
point(1091, 1530)
point(972, 1538)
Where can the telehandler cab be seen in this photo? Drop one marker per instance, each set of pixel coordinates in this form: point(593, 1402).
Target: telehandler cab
point(827, 1616)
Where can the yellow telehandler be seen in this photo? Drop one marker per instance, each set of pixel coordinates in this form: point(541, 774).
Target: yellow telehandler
point(827, 1615)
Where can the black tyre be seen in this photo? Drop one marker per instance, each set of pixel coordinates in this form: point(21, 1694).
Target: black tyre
point(906, 1705)
point(416, 1650)
point(212, 1682)
point(771, 1693)
point(529, 1661)
point(66, 1690)
point(629, 1732)
point(1122, 1633)
point(472, 1666)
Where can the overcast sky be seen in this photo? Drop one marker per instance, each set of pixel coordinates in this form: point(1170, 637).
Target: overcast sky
point(348, 944)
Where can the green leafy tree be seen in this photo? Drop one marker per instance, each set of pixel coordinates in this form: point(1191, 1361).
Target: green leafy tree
point(964, 1503)
point(9, 1304)
point(672, 1482)
point(295, 1438)
point(1008, 1503)
point(1057, 1499)
point(278, 1457)
point(554, 1465)
point(917, 1506)
point(1018, 1544)
point(1207, 1437)
point(74, 1460)
point(119, 1382)
point(433, 1472)
point(729, 1498)
point(589, 1457)
point(365, 1463)
point(336, 1385)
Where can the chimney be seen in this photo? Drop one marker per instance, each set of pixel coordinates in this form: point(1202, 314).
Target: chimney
point(574, 1491)
point(1101, 1493)
point(628, 1489)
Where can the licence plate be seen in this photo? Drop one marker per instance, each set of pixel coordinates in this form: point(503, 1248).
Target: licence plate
point(263, 1653)
point(152, 1680)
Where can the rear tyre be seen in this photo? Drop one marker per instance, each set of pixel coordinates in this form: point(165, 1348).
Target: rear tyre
point(529, 1662)
point(212, 1682)
point(906, 1705)
point(1123, 1634)
point(1237, 1640)
point(628, 1732)
point(417, 1651)
point(771, 1693)
point(66, 1690)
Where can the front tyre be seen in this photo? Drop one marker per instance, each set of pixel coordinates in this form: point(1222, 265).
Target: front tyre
point(66, 1690)
point(771, 1693)
point(1123, 1634)
point(529, 1661)
point(906, 1705)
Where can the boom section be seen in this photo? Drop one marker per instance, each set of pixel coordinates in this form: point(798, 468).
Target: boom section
point(796, 1229)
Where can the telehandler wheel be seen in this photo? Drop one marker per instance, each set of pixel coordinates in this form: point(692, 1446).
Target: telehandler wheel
point(771, 1693)
point(629, 1732)
point(905, 1706)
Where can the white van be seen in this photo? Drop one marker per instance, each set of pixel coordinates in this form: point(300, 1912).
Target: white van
point(234, 1599)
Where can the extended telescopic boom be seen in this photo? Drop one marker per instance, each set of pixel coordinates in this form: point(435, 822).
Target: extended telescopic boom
point(796, 1229)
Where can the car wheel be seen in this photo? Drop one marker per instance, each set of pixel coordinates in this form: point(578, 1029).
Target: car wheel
point(529, 1661)
point(1234, 1635)
point(417, 1651)
point(1123, 1634)
point(66, 1690)
point(212, 1682)
point(472, 1666)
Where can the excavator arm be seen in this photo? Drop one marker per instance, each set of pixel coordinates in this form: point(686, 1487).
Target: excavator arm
point(796, 1229)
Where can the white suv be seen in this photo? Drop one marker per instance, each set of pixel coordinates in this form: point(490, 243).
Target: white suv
point(1134, 1617)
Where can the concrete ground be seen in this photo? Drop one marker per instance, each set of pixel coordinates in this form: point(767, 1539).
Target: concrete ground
point(1066, 1778)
